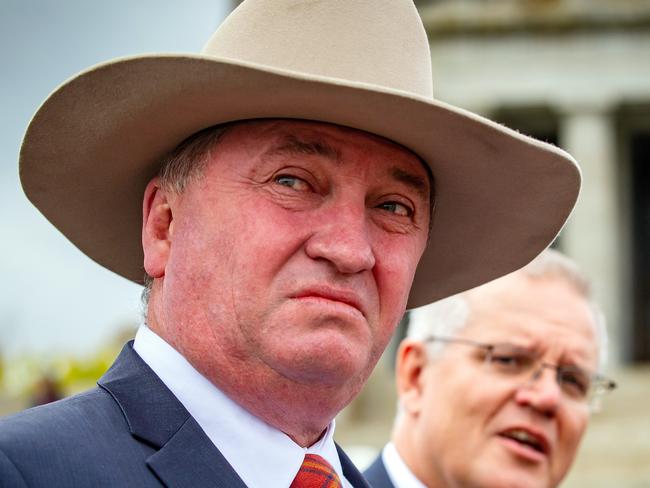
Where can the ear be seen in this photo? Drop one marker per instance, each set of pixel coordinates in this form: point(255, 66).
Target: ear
point(411, 362)
point(157, 228)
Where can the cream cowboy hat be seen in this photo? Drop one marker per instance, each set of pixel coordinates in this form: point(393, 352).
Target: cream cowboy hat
point(93, 145)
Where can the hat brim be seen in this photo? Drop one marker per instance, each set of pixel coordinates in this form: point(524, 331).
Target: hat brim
point(94, 144)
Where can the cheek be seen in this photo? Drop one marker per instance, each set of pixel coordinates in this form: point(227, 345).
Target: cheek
point(572, 428)
point(445, 428)
point(467, 402)
point(263, 245)
point(397, 260)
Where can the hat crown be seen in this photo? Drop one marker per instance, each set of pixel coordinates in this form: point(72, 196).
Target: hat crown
point(376, 42)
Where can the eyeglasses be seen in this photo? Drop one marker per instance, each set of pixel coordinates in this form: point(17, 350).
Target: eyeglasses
point(520, 364)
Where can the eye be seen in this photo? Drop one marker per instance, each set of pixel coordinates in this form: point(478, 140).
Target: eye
point(510, 359)
point(396, 208)
point(293, 182)
point(508, 362)
point(573, 381)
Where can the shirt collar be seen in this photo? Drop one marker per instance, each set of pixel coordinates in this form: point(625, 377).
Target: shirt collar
point(261, 455)
point(398, 472)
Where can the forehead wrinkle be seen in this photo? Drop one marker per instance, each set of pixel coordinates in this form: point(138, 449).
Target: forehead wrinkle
point(291, 145)
point(489, 302)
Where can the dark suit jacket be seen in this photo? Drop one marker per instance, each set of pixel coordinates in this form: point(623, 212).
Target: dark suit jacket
point(377, 475)
point(129, 432)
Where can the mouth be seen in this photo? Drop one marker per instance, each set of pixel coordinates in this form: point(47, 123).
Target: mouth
point(530, 441)
point(336, 295)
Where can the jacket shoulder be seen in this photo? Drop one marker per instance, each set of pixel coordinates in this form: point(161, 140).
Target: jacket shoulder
point(9, 474)
point(377, 475)
point(69, 418)
point(65, 442)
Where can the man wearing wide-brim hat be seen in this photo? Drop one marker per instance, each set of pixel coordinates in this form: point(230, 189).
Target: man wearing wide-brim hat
point(285, 195)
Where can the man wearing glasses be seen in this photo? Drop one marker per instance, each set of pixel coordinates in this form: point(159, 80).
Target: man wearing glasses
point(496, 384)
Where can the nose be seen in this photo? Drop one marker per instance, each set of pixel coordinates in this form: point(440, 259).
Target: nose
point(342, 238)
point(542, 393)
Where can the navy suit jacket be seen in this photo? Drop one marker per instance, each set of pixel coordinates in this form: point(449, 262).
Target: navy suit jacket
point(377, 475)
point(130, 431)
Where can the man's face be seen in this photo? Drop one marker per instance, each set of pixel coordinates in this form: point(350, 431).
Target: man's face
point(467, 415)
point(293, 254)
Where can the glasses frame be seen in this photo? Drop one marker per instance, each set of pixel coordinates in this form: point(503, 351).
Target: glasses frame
point(600, 385)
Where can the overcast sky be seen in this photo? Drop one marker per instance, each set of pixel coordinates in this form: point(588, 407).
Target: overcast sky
point(52, 297)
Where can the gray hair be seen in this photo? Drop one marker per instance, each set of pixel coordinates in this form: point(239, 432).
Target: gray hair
point(449, 316)
point(182, 166)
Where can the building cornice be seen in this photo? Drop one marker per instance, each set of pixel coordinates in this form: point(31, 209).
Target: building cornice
point(491, 17)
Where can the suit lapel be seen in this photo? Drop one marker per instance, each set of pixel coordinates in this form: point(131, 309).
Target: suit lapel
point(190, 459)
point(351, 473)
point(185, 455)
point(377, 475)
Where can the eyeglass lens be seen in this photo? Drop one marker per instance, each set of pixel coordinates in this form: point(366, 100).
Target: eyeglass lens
point(508, 359)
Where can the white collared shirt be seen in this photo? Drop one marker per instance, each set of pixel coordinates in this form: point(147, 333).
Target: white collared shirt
point(398, 472)
point(262, 456)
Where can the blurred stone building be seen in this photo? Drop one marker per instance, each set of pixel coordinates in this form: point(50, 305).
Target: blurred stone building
point(575, 73)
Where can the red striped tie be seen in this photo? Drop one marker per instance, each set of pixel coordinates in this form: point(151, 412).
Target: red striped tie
point(315, 472)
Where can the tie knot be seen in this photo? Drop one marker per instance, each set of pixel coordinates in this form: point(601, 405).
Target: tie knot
point(315, 472)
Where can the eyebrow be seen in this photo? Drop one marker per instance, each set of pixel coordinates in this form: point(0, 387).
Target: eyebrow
point(291, 145)
point(413, 181)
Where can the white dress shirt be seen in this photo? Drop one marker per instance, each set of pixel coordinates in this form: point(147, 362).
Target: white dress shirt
point(398, 472)
point(262, 456)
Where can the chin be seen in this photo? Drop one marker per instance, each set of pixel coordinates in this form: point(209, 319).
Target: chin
point(322, 365)
point(512, 479)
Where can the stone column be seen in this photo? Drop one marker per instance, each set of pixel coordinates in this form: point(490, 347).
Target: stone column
point(593, 235)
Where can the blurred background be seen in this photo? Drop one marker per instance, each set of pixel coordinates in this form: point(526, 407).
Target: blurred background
point(572, 72)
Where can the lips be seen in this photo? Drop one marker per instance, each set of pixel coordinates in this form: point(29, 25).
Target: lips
point(346, 297)
point(529, 439)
